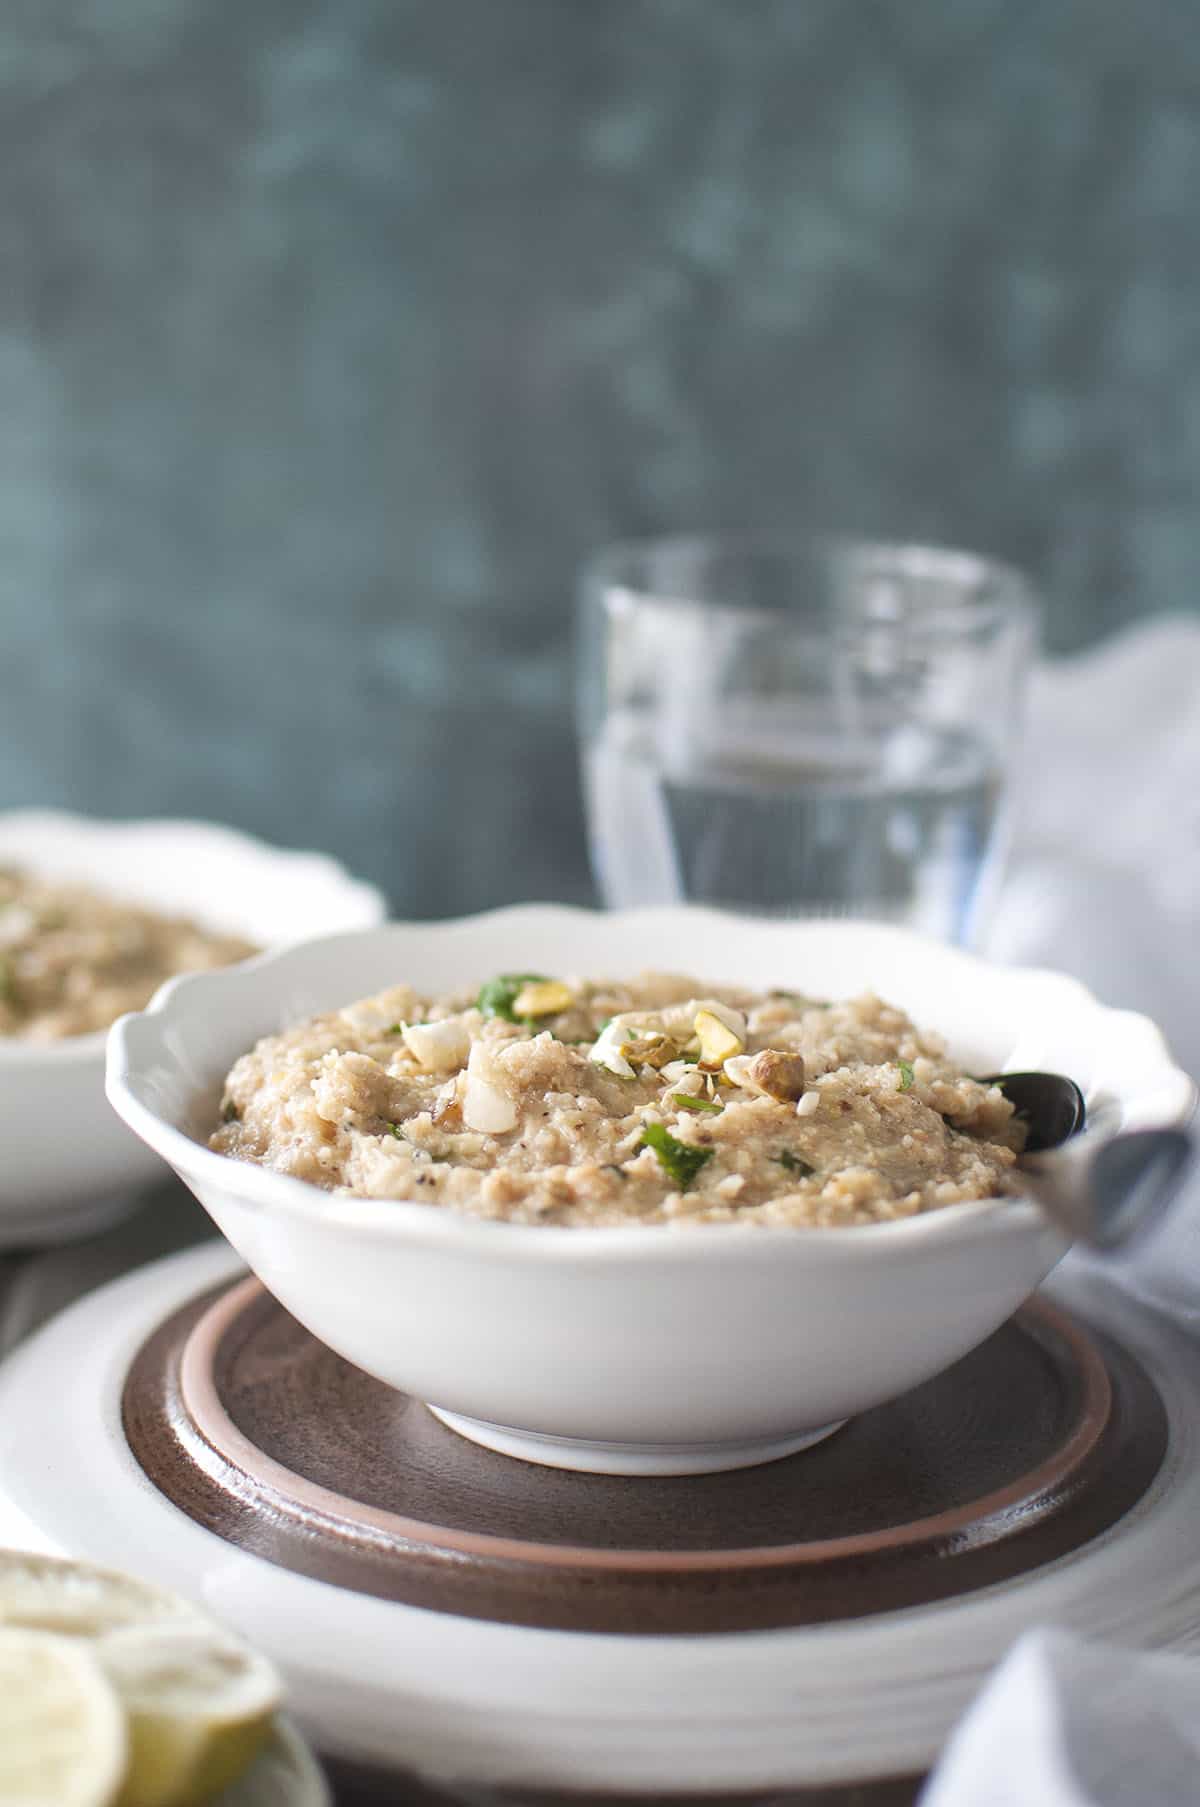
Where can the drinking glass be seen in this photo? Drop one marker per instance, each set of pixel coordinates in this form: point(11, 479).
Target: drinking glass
point(802, 728)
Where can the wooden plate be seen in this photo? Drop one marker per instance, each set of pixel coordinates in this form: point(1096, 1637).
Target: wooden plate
point(354, 1785)
point(1020, 1453)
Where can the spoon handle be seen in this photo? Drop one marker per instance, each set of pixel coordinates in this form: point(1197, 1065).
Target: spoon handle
point(1108, 1190)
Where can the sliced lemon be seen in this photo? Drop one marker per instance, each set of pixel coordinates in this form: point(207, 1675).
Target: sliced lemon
point(45, 1593)
point(62, 1727)
point(284, 1775)
point(198, 1705)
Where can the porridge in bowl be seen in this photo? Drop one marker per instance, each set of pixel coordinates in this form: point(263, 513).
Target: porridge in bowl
point(663, 1099)
point(72, 959)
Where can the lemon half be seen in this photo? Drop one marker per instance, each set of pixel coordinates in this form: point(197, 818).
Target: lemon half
point(198, 1705)
point(285, 1775)
point(62, 1727)
point(150, 1701)
point(48, 1593)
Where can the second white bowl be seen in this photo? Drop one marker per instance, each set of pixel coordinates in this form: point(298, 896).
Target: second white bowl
point(70, 1165)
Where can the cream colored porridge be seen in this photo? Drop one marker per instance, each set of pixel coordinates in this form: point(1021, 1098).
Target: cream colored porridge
point(73, 960)
point(663, 1099)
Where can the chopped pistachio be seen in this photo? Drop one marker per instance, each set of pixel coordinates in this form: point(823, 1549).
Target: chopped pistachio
point(772, 1074)
point(906, 1074)
point(717, 1040)
point(734, 1020)
point(542, 997)
point(649, 1050)
point(499, 995)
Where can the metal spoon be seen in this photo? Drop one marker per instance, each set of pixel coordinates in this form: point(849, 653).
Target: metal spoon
point(1100, 1189)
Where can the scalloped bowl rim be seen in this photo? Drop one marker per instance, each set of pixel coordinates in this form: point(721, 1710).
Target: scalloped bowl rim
point(108, 830)
point(405, 1220)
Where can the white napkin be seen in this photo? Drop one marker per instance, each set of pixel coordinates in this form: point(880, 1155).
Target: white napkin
point(1065, 1723)
point(1105, 875)
point(1105, 884)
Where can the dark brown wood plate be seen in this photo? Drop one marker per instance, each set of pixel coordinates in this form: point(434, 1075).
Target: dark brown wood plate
point(1023, 1451)
point(356, 1786)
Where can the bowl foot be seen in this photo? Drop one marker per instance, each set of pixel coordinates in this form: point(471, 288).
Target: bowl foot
point(629, 1458)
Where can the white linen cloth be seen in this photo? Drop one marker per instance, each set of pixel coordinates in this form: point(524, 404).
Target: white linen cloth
point(1105, 884)
point(1066, 1723)
point(1104, 881)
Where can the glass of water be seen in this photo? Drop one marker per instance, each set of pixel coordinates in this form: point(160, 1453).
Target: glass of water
point(802, 728)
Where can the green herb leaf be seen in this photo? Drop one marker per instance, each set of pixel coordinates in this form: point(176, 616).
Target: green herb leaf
point(397, 1130)
point(497, 997)
point(690, 1101)
point(680, 1161)
point(795, 1163)
point(906, 1074)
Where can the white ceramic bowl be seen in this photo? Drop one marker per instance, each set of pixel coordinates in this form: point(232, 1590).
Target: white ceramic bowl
point(70, 1165)
point(652, 1349)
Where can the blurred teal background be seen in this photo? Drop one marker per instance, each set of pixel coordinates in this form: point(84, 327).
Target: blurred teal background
point(333, 335)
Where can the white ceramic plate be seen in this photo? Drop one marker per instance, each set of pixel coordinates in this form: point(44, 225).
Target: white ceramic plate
point(70, 1166)
point(663, 1349)
point(484, 1703)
